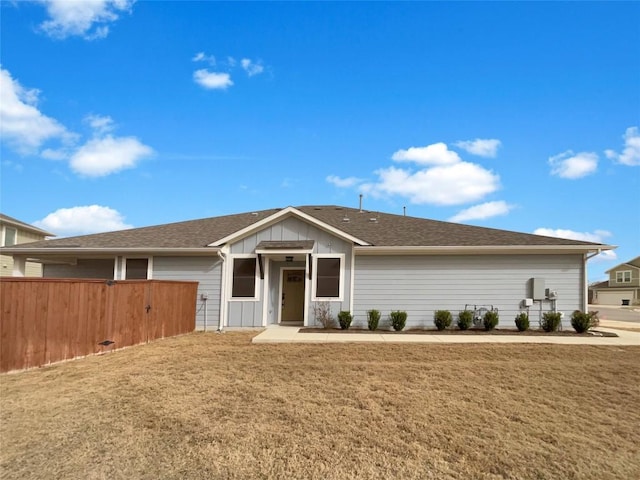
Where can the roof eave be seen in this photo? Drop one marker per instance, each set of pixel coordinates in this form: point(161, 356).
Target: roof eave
point(102, 251)
point(475, 249)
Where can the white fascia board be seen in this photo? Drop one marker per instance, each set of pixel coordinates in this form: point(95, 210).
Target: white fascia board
point(286, 212)
point(283, 251)
point(622, 265)
point(487, 249)
point(79, 251)
point(26, 227)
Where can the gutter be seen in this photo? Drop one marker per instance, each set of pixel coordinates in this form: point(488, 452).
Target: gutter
point(474, 250)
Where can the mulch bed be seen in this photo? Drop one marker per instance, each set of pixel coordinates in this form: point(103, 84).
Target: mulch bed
point(471, 331)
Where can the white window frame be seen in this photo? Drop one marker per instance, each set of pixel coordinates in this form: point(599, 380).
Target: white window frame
point(149, 266)
point(256, 289)
point(620, 276)
point(5, 231)
point(314, 280)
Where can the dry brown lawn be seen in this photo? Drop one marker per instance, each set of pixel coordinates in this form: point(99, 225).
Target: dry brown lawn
point(215, 406)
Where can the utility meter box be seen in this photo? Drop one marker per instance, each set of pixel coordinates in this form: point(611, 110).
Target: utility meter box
point(536, 288)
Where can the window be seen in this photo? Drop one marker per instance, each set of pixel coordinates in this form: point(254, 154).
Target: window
point(10, 236)
point(136, 268)
point(244, 278)
point(623, 277)
point(328, 277)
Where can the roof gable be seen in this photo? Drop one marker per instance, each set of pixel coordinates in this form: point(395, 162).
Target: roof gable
point(634, 263)
point(14, 222)
point(282, 214)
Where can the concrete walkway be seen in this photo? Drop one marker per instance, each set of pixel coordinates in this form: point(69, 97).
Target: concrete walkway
point(280, 334)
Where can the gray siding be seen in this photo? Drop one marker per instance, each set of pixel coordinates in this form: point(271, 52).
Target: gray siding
point(205, 270)
point(420, 285)
point(89, 268)
point(249, 313)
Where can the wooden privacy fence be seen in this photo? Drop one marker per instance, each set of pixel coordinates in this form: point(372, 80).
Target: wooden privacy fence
point(48, 320)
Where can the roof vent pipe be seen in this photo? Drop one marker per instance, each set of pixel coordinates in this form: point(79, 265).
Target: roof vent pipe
point(360, 203)
point(404, 211)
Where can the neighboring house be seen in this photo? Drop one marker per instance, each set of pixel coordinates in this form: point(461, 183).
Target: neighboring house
point(622, 288)
point(275, 266)
point(14, 232)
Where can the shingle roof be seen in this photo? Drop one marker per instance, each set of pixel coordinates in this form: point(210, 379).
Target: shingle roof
point(377, 229)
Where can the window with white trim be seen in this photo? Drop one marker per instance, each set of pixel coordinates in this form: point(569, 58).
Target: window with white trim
point(136, 269)
point(623, 277)
point(10, 236)
point(244, 278)
point(328, 278)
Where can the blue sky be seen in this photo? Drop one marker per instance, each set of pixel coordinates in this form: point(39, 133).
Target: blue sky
point(520, 116)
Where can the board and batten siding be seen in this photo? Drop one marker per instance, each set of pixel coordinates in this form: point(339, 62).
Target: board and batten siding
point(250, 313)
point(207, 271)
point(420, 285)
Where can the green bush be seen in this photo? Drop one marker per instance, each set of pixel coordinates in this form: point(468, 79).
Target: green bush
point(344, 319)
point(583, 321)
point(465, 319)
point(398, 320)
point(490, 320)
point(551, 321)
point(522, 321)
point(373, 318)
point(442, 319)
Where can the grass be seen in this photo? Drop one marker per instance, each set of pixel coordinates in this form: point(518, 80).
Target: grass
point(216, 406)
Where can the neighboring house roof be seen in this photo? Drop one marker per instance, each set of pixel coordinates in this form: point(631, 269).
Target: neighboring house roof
point(14, 222)
point(599, 285)
point(635, 263)
point(365, 228)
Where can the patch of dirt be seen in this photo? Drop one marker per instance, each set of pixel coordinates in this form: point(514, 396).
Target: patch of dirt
point(471, 331)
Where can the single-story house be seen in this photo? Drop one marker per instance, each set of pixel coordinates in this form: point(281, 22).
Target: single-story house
point(277, 266)
point(622, 288)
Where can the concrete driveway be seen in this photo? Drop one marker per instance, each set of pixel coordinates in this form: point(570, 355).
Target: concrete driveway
point(618, 314)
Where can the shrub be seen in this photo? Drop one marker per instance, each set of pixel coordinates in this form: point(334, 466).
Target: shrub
point(583, 321)
point(442, 319)
point(344, 319)
point(490, 320)
point(322, 314)
point(373, 318)
point(522, 321)
point(465, 319)
point(398, 320)
point(551, 321)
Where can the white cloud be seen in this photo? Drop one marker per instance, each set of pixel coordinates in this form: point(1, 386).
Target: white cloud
point(87, 18)
point(435, 154)
point(573, 165)
point(102, 156)
point(203, 57)
point(250, 67)
point(212, 80)
point(455, 184)
point(343, 182)
point(597, 236)
point(482, 211)
point(480, 147)
point(22, 125)
point(631, 153)
point(83, 220)
point(99, 123)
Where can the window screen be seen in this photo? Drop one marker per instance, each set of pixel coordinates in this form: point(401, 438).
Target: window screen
point(244, 277)
point(328, 277)
point(137, 268)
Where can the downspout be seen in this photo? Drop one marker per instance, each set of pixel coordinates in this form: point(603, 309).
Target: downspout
point(585, 306)
point(223, 293)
